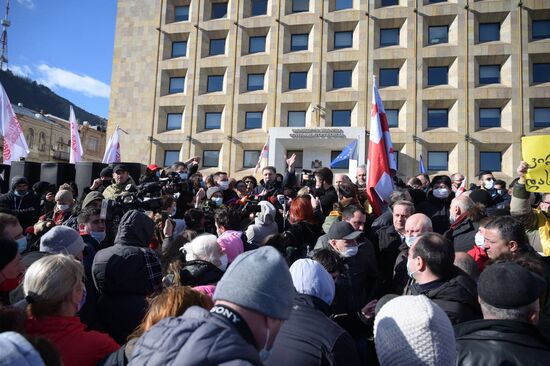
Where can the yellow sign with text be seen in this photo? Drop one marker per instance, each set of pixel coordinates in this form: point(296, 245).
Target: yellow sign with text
point(536, 153)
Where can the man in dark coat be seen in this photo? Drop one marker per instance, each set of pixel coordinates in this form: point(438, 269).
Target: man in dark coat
point(463, 229)
point(509, 298)
point(437, 206)
point(21, 201)
point(433, 274)
point(252, 300)
point(309, 337)
point(324, 190)
point(125, 274)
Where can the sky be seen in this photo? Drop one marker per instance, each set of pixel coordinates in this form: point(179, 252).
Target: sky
point(66, 45)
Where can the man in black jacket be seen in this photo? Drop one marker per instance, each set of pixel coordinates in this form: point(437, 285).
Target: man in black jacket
point(21, 201)
point(463, 229)
point(324, 190)
point(509, 298)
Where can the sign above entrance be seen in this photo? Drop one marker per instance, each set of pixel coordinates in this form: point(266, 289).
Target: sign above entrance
point(316, 133)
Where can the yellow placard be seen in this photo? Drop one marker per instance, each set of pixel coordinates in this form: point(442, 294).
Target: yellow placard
point(536, 153)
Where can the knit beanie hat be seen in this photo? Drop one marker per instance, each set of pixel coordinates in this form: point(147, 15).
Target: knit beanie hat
point(63, 240)
point(16, 350)
point(64, 195)
point(90, 197)
point(8, 251)
point(412, 330)
point(258, 280)
point(311, 278)
point(210, 192)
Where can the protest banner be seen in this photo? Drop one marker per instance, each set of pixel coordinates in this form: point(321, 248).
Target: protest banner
point(536, 153)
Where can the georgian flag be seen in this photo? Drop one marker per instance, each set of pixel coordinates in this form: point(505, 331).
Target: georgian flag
point(263, 154)
point(112, 151)
point(380, 155)
point(15, 145)
point(76, 147)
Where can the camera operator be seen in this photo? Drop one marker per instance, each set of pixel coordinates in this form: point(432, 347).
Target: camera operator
point(324, 190)
point(121, 179)
point(151, 175)
point(269, 186)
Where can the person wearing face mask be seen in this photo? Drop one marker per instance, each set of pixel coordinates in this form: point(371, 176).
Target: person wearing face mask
point(477, 252)
point(503, 197)
point(464, 216)
point(64, 204)
point(438, 203)
point(11, 269)
point(227, 223)
point(151, 175)
point(252, 301)
point(433, 274)
point(222, 181)
point(99, 184)
point(21, 202)
point(11, 229)
point(55, 292)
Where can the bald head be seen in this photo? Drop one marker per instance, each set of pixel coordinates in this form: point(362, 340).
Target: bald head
point(417, 224)
point(460, 205)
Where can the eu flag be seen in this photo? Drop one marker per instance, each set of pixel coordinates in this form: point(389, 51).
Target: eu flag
point(349, 152)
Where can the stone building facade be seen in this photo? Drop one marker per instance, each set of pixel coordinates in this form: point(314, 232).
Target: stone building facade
point(462, 81)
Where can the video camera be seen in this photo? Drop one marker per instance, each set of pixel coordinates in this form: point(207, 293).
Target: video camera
point(307, 179)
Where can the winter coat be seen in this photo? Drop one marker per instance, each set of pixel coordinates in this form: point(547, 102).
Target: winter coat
point(500, 342)
point(199, 273)
point(88, 314)
point(75, 345)
point(462, 233)
point(26, 208)
point(309, 337)
point(302, 237)
point(195, 338)
point(264, 224)
point(387, 244)
point(456, 296)
point(327, 197)
point(112, 191)
point(438, 211)
point(124, 278)
point(231, 243)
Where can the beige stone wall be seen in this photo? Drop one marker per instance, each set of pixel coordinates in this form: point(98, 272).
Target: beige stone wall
point(142, 68)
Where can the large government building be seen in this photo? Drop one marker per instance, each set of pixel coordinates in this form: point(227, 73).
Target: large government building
point(462, 80)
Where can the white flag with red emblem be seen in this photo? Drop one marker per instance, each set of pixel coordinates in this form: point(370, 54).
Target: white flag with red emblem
point(76, 147)
point(263, 154)
point(462, 188)
point(15, 146)
point(380, 155)
point(112, 151)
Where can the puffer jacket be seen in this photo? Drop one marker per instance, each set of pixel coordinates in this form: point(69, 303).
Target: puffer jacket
point(500, 342)
point(26, 208)
point(264, 224)
point(124, 277)
point(195, 338)
point(231, 243)
point(199, 273)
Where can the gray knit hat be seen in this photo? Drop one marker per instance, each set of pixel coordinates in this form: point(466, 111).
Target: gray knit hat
point(210, 192)
point(62, 239)
point(258, 280)
point(412, 330)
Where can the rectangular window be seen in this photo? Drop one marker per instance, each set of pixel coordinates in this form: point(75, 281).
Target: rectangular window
point(219, 10)
point(296, 118)
point(541, 73)
point(343, 40)
point(212, 120)
point(438, 75)
point(540, 29)
point(259, 7)
point(170, 157)
point(489, 74)
point(181, 13)
point(179, 49)
point(299, 6)
point(389, 2)
point(256, 44)
point(489, 32)
point(341, 118)
point(438, 34)
point(389, 37)
point(438, 118)
point(210, 158)
point(343, 4)
point(297, 80)
point(344, 164)
point(217, 46)
point(389, 77)
point(177, 85)
point(438, 160)
point(392, 115)
point(215, 83)
point(437, 1)
point(298, 42)
point(541, 117)
point(173, 121)
point(299, 163)
point(490, 160)
point(489, 117)
point(341, 79)
point(255, 82)
point(253, 120)
point(250, 158)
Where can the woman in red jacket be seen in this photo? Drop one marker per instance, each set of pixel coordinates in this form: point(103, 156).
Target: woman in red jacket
point(55, 291)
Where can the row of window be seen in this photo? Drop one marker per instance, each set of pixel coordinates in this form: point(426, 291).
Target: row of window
point(436, 118)
point(437, 160)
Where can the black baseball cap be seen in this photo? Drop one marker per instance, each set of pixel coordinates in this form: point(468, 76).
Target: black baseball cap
point(342, 230)
point(120, 167)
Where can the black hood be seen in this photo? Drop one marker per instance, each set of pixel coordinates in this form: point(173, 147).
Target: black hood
point(135, 229)
point(199, 273)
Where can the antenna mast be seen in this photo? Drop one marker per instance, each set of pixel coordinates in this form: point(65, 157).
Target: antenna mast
point(4, 39)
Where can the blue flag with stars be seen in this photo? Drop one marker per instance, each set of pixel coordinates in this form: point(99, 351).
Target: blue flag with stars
point(349, 152)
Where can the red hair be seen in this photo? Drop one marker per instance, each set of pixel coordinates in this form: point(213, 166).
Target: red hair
point(301, 210)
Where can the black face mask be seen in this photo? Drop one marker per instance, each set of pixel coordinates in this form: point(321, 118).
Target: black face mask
point(106, 183)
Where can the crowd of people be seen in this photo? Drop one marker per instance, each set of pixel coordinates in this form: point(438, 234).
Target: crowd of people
point(183, 268)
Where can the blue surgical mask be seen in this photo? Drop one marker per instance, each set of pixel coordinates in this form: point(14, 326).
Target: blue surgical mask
point(98, 235)
point(409, 240)
point(217, 201)
point(21, 244)
point(411, 274)
point(441, 193)
point(19, 194)
point(350, 252)
point(224, 184)
point(183, 176)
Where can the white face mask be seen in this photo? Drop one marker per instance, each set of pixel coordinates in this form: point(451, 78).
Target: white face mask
point(183, 176)
point(409, 272)
point(489, 184)
point(441, 193)
point(264, 352)
point(479, 240)
point(224, 184)
point(98, 235)
point(63, 207)
point(409, 240)
point(350, 251)
point(223, 260)
point(452, 219)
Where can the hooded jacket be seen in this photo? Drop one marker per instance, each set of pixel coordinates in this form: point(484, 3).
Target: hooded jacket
point(26, 208)
point(195, 338)
point(231, 243)
point(124, 277)
point(264, 224)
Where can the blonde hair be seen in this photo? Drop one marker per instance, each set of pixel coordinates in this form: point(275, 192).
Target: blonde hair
point(50, 281)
